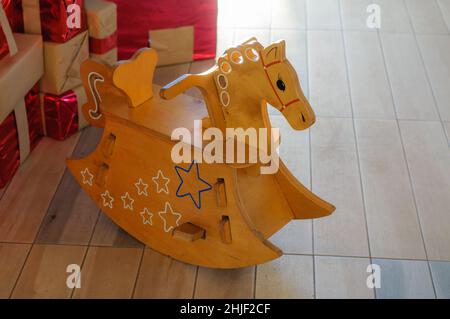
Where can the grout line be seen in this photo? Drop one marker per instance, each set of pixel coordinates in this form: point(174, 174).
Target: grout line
point(254, 286)
point(370, 118)
point(194, 289)
point(356, 140)
point(308, 75)
point(404, 155)
point(365, 257)
point(286, 253)
point(364, 30)
point(138, 273)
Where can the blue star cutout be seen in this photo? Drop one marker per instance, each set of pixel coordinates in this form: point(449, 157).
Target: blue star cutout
point(196, 198)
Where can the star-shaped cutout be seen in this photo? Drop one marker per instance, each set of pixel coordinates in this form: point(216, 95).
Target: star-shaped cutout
point(170, 218)
point(127, 201)
point(146, 216)
point(196, 183)
point(87, 176)
point(161, 182)
point(141, 187)
point(107, 199)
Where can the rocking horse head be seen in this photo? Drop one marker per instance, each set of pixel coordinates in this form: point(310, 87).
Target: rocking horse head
point(250, 72)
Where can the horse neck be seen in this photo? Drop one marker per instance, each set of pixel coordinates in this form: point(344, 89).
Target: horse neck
point(245, 111)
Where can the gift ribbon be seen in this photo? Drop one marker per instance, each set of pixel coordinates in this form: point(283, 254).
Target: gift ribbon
point(101, 46)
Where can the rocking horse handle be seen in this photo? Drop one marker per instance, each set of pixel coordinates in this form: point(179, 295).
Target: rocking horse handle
point(180, 85)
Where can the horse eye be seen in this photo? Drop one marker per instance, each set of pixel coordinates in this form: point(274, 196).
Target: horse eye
point(281, 85)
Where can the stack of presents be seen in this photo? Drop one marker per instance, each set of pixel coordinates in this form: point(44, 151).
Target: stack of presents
point(44, 42)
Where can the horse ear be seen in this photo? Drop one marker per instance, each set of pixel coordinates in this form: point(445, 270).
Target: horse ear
point(274, 52)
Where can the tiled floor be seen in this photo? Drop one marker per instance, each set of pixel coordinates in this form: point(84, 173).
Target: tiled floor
point(379, 151)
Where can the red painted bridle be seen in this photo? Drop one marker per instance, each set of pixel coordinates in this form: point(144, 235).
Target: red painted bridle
point(266, 66)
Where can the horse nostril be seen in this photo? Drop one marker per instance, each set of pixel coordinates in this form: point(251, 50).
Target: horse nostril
point(303, 118)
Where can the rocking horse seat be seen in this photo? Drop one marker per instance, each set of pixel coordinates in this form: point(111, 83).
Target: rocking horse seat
point(156, 116)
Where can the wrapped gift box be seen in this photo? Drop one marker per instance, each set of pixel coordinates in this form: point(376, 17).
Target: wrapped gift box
point(63, 115)
point(20, 132)
point(34, 116)
point(50, 17)
point(62, 64)
point(102, 26)
point(20, 72)
point(173, 45)
point(166, 14)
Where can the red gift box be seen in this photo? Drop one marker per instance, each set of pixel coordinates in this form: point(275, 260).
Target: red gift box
point(9, 149)
point(164, 14)
point(54, 17)
point(9, 136)
point(34, 116)
point(61, 114)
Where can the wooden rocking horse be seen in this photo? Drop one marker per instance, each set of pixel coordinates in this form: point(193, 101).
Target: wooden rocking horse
point(217, 215)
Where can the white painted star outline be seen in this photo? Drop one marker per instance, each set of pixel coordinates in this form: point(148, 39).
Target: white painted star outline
point(141, 187)
point(87, 176)
point(107, 199)
point(173, 215)
point(127, 201)
point(160, 180)
point(146, 217)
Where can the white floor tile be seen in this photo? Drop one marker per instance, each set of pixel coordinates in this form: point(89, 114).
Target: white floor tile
point(370, 90)
point(252, 14)
point(428, 157)
point(323, 14)
point(329, 92)
point(226, 17)
point(441, 278)
point(394, 16)
point(404, 279)
point(436, 54)
point(444, 5)
point(289, 14)
point(426, 17)
point(335, 177)
point(342, 277)
point(412, 93)
point(354, 14)
point(394, 230)
point(289, 276)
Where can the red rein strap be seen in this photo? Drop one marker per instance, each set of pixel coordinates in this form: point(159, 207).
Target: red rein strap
point(283, 106)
